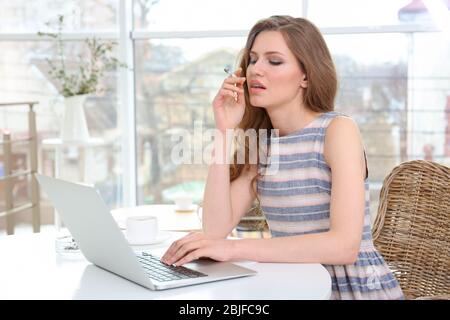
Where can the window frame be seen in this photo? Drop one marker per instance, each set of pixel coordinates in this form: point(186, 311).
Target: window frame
point(126, 37)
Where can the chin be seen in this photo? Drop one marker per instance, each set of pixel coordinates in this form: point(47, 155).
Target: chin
point(257, 103)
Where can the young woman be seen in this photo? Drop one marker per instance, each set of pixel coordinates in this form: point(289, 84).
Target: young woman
point(317, 203)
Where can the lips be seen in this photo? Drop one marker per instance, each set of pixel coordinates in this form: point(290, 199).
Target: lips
point(256, 86)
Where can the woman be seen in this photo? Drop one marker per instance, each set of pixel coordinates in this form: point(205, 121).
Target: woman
point(317, 203)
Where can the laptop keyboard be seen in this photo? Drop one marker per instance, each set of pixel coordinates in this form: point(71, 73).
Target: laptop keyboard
point(159, 271)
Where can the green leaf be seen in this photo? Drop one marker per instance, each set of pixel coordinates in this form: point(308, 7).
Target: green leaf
point(89, 70)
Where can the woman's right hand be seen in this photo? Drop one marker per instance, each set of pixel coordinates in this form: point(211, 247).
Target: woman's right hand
point(228, 111)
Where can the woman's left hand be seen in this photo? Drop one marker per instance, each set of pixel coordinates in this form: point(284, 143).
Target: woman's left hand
point(196, 245)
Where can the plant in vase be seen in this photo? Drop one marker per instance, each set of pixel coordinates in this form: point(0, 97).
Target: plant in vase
point(76, 80)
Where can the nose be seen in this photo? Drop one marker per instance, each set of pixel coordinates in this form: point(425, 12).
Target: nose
point(255, 69)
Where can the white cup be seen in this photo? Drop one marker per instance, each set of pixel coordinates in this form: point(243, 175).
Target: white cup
point(183, 202)
point(142, 229)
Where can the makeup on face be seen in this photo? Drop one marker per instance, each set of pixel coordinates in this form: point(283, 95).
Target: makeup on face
point(272, 58)
point(256, 87)
point(273, 72)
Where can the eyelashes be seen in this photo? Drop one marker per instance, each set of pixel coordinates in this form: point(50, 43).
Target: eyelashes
point(275, 63)
point(272, 62)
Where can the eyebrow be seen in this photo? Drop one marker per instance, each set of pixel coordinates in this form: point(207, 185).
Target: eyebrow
point(266, 53)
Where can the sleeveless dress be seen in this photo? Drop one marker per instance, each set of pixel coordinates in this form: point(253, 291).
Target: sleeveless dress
point(294, 189)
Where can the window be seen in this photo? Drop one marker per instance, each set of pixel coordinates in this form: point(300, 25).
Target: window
point(373, 90)
point(30, 16)
point(176, 15)
point(349, 13)
point(429, 98)
point(25, 77)
point(394, 82)
point(176, 80)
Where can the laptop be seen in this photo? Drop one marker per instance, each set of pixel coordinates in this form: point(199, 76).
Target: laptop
point(101, 241)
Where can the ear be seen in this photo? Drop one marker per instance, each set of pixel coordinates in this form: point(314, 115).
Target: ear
point(304, 82)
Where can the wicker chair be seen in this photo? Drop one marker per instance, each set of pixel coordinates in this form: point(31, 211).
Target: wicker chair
point(412, 228)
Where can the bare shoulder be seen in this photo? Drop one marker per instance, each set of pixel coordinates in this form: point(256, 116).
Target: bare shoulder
point(342, 125)
point(342, 139)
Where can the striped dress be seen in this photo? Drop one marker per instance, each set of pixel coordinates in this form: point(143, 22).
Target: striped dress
point(295, 190)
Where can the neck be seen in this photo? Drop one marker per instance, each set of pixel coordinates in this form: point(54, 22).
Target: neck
point(290, 117)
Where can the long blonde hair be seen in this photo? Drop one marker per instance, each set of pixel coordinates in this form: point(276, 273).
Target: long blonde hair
point(307, 44)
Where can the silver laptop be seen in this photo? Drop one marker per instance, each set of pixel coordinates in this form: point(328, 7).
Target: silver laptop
point(100, 239)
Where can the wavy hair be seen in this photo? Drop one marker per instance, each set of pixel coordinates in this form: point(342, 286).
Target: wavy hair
point(308, 45)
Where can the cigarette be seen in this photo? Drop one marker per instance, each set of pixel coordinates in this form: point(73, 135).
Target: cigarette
point(227, 70)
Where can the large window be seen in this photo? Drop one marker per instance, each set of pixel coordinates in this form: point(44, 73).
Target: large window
point(174, 89)
point(429, 97)
point(24, 77)
point(176, 15)
point(373, 90)
point(29, 16)
point(390, 55)
point(380, 85)
point(350, 13)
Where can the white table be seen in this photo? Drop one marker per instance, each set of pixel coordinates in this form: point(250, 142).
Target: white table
point(30, 269)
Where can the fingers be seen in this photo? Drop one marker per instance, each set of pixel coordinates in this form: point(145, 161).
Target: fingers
point(232, 91)
point(226, 92)
point(193, 255)
point(234, 80)
point(185, 250)
point(176, 245)
point(232, 88)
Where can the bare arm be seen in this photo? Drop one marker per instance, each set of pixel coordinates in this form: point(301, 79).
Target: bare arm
point(340, 245)
point(225, 203)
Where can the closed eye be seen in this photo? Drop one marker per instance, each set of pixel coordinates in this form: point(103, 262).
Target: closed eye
point(275, 63)
point(272, 62)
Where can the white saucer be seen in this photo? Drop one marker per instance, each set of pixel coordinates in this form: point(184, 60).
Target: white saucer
point(193, 207)
point(161, 237)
